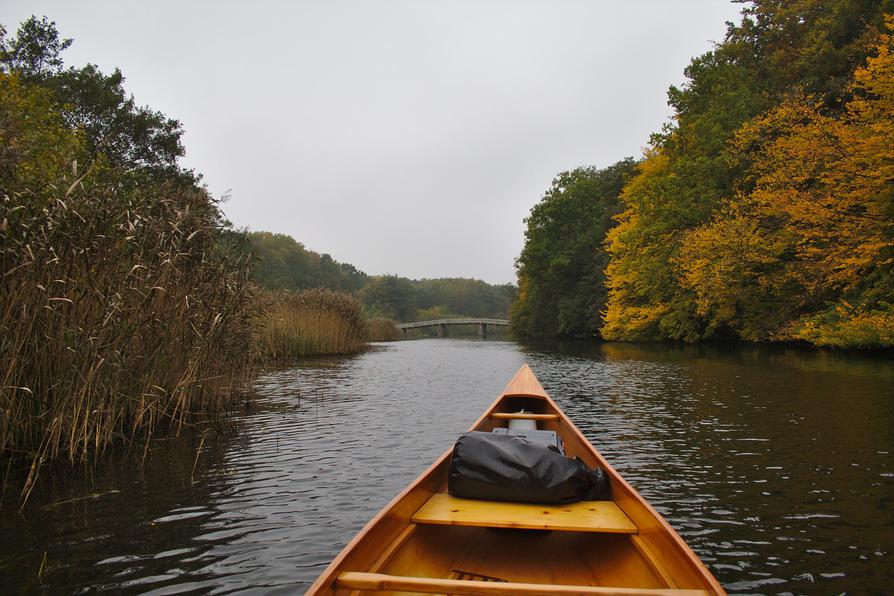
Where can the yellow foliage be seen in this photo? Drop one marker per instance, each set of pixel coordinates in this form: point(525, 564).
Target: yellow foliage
point(634, 275)
point(38, 147)
point(855, 329)
point(829, 180)
point(730, 264)
point(631, 323)
point(761, 235)
point(818, 224)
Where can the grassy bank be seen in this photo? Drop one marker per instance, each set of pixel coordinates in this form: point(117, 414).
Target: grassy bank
point(309, 323)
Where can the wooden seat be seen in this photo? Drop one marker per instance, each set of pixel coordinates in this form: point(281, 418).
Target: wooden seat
point(378, 582)
point(585, 516)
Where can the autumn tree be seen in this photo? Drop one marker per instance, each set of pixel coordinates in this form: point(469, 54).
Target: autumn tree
point(694, 172)
point(807, 249)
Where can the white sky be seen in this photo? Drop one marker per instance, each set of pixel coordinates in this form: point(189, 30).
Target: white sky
point(402, 137)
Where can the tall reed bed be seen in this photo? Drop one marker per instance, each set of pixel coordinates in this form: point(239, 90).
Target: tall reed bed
point(123, 312)
point(119, 315)
point(384, 330)
point(308, 323)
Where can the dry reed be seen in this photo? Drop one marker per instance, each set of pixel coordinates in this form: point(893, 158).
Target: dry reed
point(119, 315)
point(384, 330)
point(309, 323)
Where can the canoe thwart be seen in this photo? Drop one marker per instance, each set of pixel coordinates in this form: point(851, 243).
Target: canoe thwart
point(379, 582)
point(525, 416)
point(585, 516)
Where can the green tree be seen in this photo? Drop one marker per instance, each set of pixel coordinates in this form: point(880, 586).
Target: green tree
point(282, 263)
point(36, 51)
point(560, 269)
point(464, 296)
point(390, 297)
point(128, 135)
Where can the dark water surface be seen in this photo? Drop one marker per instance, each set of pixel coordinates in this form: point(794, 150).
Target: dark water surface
point(774, 464)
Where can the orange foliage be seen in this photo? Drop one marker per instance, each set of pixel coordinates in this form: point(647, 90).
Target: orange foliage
point(814, 224)
point(639, 288)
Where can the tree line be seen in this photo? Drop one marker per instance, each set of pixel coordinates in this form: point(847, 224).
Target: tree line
point(279, 262)
point(764, 211)
point(282, 263)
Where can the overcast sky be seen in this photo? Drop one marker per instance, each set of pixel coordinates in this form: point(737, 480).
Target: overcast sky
point(402, 137)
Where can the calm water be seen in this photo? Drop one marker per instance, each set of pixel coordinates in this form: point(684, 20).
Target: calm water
point(774, 464)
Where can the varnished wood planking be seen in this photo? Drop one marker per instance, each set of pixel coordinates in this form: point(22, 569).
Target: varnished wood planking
point(433, 551)
point(586, 516)
point(574, 558)
point(672, 555)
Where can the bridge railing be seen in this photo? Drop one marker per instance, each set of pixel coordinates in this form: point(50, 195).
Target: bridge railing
point(467, 321)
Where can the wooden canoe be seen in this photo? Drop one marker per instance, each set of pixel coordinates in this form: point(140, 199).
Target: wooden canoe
point(426, 541)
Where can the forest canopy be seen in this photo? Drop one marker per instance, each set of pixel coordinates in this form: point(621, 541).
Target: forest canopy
point(762, 212)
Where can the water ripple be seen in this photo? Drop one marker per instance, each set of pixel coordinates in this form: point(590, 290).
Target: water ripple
point(774, 466)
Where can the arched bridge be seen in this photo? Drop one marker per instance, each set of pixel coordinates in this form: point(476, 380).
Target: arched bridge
point(442, 325)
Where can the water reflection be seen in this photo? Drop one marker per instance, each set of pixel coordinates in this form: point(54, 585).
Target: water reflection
point(774, 464)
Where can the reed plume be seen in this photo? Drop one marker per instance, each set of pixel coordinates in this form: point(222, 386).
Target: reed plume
point(119, 314)
point(308, 323)
point(381, 329)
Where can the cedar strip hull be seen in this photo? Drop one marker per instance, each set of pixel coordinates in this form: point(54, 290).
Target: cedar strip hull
point(650, 557)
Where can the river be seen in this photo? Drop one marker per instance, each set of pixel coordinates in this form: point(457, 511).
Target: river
point(773, 463)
